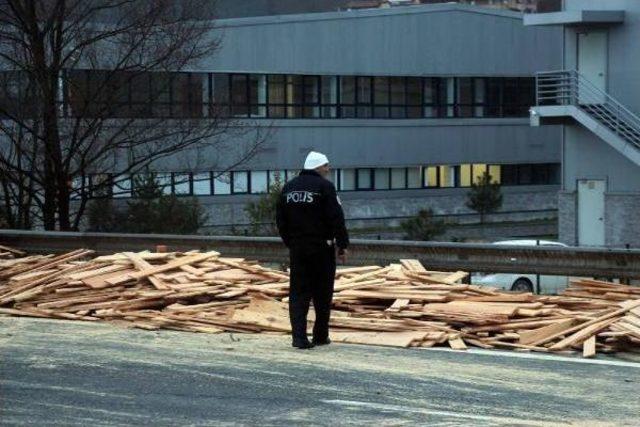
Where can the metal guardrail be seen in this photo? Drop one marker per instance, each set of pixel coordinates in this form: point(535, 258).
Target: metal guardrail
point(570, 261)
point(568, 87)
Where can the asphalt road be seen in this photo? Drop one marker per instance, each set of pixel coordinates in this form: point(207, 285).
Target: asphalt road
point(60, 373)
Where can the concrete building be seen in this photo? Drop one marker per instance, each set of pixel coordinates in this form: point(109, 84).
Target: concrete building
point(411, 104)
point(597, 102)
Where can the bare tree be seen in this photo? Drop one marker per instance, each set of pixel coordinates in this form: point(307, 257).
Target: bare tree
point(95, 88)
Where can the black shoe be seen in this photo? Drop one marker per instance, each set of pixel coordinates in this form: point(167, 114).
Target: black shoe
point(325, 341)
point(304, 345)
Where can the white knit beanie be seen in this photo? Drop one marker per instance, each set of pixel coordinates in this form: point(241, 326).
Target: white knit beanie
point(315, 160)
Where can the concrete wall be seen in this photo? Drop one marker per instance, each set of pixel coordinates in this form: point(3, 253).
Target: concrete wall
point(388, 208)
point(441, 39)
point(372, 143)
point(588, 157)
point(624, 57)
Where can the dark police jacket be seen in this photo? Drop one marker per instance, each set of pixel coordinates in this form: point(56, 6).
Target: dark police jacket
point(309, 212)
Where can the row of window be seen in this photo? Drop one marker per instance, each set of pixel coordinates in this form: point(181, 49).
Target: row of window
point(347, 179)
point(200, 95)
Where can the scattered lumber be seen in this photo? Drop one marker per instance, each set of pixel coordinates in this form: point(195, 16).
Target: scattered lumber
point(401, 304)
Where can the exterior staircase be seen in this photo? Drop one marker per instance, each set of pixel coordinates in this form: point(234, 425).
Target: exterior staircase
point(566, 94)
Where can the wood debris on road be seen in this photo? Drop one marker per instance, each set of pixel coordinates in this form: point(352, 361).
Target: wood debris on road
point(400, 304)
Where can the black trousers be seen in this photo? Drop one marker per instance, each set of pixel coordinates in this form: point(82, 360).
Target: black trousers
point(313, 270)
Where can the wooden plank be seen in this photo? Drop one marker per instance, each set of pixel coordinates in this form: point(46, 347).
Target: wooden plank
point(589, 347)
point(532, 336)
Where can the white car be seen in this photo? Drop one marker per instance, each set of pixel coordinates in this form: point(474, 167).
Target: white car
point(524, 282)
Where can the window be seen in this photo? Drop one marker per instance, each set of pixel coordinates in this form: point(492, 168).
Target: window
point(258, 95)
point(464, 98)
point(240, 180)
point(239, 95)
point(221, 183)
point(220, 94)
point(465, 175)
point(311, 108)
point(276, 99)
point(347, 96)
point(329, 99)
point(494, 171)
point(164, 182)
point(182, 183)
point(431, 177)
point(381, 179)
point(292, 173)
point(347, 179)
point(121, 186)
point(295, 92)
point(363, 97)
point(258, 182)
point(414, 177)
point(202, 184)
point(398, 178)
point(430, 97)
point(277, 177)
point(186, 94)
point(398, 97)
point(448, 176)
point(381, 97)
point(414, 97)
point(478, 170)
point(365, 179)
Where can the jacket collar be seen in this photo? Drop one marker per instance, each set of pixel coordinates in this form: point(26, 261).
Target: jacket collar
point(309, 172)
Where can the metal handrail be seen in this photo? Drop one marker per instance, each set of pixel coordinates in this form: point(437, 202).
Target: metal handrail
point(568, 87)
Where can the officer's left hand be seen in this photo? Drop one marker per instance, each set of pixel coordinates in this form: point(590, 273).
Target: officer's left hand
point(342, 255)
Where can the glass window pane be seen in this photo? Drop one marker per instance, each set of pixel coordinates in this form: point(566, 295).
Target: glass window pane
point(276, 84)
point(258, 94)
point(382, 179)
point(276, 177)
point(181, 183)
point(240, 181)
point(329, 89)
point(414, 91)
point(202, 184)
point(381, 90)
point(479, 97)
point(431, 176)
point(222, 183)
point(447, 176)
point(494, 171)
point(509, 174)
point(414, 177)
point(493, 97)
point(334, 178)
point(239, 93)
point(258, 182)
point(220, 88)
point(478, 171)
point(347, 90)
point(525, 174)
point(465, 175)
point(364, 90)
point(364, 179)
point(398, 178)
point(164, 182)
point(347, 179)
point(464, 97)
point(121, 186)
point(398, 96)
point(295, 93)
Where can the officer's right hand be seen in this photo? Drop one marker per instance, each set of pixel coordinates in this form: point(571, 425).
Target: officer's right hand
point(342, 255)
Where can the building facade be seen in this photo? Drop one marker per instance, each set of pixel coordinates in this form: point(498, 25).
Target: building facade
point(596, 99)
point(411, 104)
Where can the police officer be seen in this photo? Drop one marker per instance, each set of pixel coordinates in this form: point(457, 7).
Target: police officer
point(311, 223)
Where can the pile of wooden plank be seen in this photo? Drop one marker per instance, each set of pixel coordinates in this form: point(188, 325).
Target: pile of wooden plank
point(9, 253)
point(400, 304)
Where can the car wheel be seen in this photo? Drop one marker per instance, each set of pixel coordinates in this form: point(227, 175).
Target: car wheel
point(522, 285)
